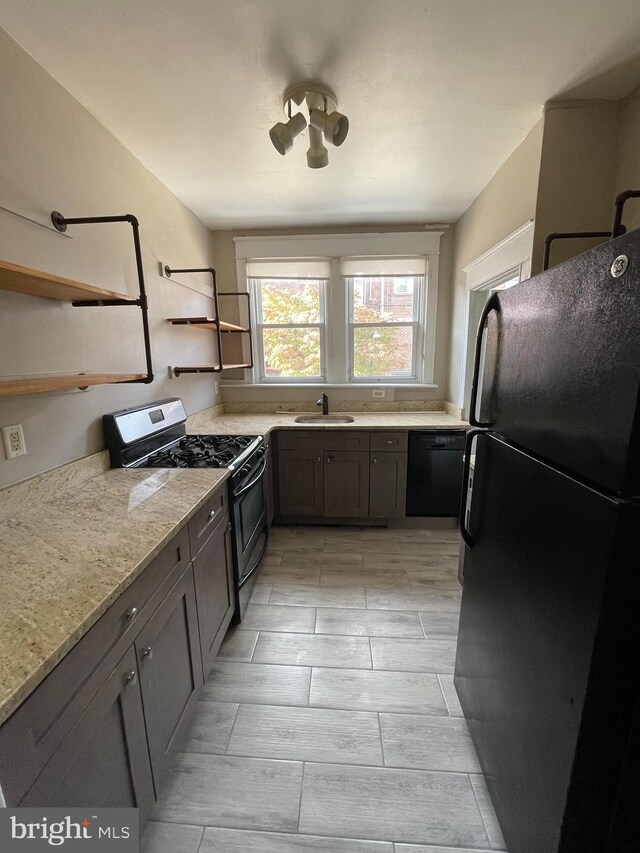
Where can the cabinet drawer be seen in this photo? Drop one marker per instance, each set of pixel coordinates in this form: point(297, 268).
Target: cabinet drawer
point(390, 441)
point(206, 519)
point(325, 439)
point(30, 736)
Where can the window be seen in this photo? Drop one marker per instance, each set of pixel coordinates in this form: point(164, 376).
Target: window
point(384, 317)
point(290, 319)
point(341, 309)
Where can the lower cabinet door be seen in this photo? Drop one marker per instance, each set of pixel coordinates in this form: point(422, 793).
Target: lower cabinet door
point(300, 482)
point(346, 484)
point(388, 485)
point(269, 497)
point(170, 666)
point(104, 760)
point(215, 593)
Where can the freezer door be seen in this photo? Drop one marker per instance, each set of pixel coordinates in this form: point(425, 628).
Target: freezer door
point(547, 645)
point(561, 371)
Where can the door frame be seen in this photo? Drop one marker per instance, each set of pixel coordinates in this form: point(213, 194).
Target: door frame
point(510, 256)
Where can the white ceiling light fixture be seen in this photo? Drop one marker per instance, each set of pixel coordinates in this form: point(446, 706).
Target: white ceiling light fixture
point(324, 121)
point(282, 134)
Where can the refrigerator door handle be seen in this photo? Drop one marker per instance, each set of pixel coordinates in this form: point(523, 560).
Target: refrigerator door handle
point(492, 305)
point(466, 536)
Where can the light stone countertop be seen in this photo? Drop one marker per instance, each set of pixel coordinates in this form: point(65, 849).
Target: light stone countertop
point(65, 557)
point(64, 562)
point(262, 424)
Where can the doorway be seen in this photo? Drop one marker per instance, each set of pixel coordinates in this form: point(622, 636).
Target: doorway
point(477, 298)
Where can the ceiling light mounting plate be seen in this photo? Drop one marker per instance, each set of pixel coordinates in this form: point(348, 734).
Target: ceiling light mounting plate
point(317, 95)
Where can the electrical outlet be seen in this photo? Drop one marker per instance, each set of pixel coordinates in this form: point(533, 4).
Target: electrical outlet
point(163, 272)
point(13, 441)
point(379, 393)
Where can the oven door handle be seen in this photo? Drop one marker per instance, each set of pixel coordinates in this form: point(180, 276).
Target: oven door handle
point(254, 481)
point(259, 560)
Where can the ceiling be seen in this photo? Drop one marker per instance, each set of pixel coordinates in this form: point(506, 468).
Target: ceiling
point(438, 92)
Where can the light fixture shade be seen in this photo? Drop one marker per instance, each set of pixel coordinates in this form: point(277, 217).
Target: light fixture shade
point(317, 154)
point(282, 134)
point(334, 126)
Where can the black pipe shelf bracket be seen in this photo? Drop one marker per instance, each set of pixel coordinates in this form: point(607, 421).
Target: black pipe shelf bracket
point(568, 235)
point(61, 223)
point(617, 229)
point(215, 323)
point(621, 199)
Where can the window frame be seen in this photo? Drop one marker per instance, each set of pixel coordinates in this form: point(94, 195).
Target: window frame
point(259, 362)
point(334, 247)
point(417, 324)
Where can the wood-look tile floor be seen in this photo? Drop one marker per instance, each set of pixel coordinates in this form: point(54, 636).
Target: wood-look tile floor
point(330, 722)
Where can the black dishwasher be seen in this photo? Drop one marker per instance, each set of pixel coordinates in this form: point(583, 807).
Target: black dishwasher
point(434, 476)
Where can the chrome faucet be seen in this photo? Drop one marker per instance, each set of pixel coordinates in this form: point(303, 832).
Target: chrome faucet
point(324, 402)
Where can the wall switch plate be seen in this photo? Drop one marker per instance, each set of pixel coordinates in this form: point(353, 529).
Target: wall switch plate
point(13, 441)
point(217, 387)
point(379, 393)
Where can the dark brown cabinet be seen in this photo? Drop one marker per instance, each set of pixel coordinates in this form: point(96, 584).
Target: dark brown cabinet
point(100, 728)
point(215, 594)
point(300, 476)
point(387, 485)
point(104, 759)
point(341, 474)
point(346, 484)
point(170, 669)
point(269, 497)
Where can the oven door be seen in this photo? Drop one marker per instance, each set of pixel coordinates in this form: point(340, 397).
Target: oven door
point(251, 532)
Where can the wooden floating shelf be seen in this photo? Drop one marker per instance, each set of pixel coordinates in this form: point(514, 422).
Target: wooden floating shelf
point(19, 279)
point(208, 368)
point(36, 384)
point(207, 323)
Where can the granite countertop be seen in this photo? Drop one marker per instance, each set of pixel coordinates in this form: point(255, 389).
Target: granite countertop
point(262, 424)
point(63, 562)
point(70, 548)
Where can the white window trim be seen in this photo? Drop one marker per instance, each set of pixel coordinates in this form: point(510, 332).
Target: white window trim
point(511, 254)
point(336, 246)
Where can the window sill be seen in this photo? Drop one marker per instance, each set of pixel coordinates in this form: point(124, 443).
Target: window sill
point(398, 386)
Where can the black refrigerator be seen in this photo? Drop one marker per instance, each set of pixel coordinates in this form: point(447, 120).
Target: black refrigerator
point(548, 657)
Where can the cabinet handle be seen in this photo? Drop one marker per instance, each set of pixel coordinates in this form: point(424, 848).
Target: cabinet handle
point(147, 653)
point(212, 514)
point(375, 461)
point(318, 459)
point(131, 678)
point(130, 615)
point(389, 441)
point(329, 459)
point(229, 526)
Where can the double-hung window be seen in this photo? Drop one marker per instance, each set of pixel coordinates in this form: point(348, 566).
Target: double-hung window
point(342, 309)
point(385, 299)
point(290, 300)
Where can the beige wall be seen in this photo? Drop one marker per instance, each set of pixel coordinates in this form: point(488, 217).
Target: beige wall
point(55, 155)
point(628, 171)
point(224, 249)
point(577, 174)
point(506, 203)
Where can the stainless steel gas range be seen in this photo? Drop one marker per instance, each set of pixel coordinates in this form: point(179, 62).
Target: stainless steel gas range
point(154, 436)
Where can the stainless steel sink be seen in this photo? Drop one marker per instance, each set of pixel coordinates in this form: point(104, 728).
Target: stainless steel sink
point(324, 419)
